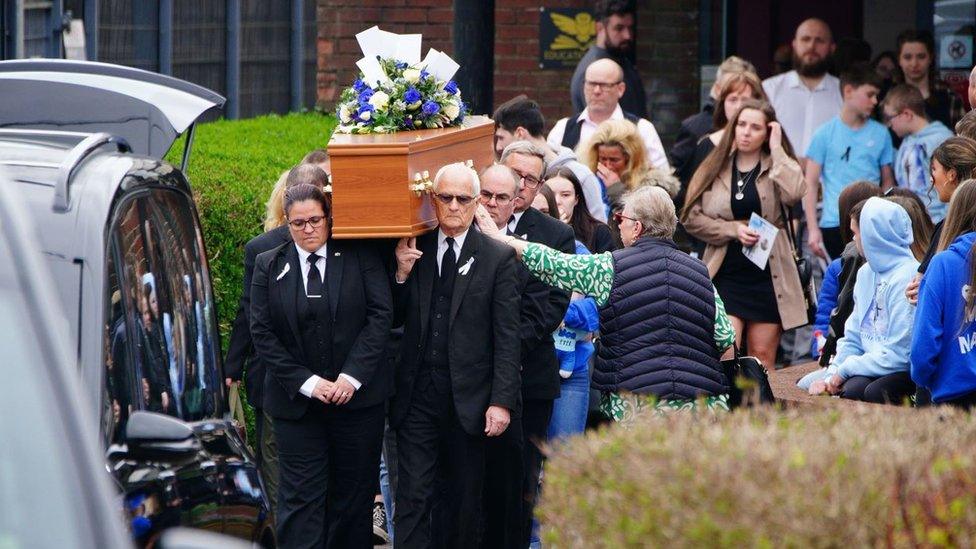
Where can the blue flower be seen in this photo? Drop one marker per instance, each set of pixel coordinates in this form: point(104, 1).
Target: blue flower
point(365, 95)
point(401, 65)
point(423, 75)
point(408, 122)
point(359, 86)
point(411, 96)
point(451, 87)
point(431, 108)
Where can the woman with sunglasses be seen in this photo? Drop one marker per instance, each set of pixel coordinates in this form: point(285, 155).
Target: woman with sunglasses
point(662, 324)
point(752, 171)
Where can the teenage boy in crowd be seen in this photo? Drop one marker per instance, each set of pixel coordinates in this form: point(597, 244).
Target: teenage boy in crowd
point(849, 147)
point(904, 113)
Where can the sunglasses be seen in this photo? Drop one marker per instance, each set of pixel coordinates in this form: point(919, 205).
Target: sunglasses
point(448, 198)
point(618, 218)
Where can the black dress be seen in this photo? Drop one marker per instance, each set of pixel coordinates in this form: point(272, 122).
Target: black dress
point(746, 290)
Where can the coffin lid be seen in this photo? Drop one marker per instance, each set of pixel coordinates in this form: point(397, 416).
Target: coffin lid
point(147, 109)
point(370, 144)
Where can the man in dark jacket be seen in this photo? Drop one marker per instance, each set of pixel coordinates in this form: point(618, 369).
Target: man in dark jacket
point(540, 369)
point(241, 349)
point(615, 21)
point(457, 381)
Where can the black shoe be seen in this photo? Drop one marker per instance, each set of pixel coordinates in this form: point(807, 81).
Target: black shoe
point(380, 536)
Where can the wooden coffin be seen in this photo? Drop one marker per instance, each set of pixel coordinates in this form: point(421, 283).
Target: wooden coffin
point(381, 182)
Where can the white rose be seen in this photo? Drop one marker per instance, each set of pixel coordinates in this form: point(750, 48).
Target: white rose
point(411, 75)
point(345, 114)
point(364, 116)
point(452, 110)
point(379, 100)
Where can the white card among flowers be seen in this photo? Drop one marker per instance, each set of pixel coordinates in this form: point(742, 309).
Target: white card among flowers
point(396, 91)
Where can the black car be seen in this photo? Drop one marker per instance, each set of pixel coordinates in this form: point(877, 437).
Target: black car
point(83, 145)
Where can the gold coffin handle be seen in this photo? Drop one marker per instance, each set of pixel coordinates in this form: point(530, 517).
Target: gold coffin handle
point(422, 183)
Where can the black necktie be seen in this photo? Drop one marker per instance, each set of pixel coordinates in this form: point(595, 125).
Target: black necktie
point(314, 287)
point(510, 227)
point(448, 264)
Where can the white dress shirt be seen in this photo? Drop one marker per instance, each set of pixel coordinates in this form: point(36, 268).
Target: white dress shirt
point(652, 142)
point(801, 110)
point(514, 221)
point(306, 267)
point(442, 246)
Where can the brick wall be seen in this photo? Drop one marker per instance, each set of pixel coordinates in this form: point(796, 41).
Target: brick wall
point(666, 50)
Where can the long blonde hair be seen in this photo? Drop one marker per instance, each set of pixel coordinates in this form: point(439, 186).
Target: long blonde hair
point(622, 134)
point(274, 210)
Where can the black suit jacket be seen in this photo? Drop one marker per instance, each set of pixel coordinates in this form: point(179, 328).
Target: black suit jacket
point(241, 349)
point(483, 350)
point(540, 369)
point(362, 312)
point(691, 131)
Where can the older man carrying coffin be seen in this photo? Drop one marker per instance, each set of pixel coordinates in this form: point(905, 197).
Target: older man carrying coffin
point(457, 381)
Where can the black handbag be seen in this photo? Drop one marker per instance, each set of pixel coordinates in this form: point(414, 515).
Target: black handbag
point(748, 381)
point(804, 268)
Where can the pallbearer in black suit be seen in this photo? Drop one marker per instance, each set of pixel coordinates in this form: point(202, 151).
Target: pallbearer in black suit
point(320, 314)
point(457, 380)
point(540, 370)
point(240, 351)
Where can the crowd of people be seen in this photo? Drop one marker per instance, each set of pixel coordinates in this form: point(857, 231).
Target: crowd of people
point(589, 274)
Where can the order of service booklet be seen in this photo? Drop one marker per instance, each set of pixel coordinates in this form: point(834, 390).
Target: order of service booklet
point(758, 253)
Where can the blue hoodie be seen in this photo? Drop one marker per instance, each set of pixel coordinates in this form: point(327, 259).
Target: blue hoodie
point(942, 359)
point(912, 166)
point(878, 334)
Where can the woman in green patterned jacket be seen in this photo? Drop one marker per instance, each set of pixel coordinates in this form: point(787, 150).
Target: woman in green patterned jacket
point(663, 325)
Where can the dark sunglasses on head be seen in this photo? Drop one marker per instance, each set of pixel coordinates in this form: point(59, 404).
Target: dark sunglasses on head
point(448, 198)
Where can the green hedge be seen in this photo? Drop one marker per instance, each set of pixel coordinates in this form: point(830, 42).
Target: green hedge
point(233, 166)
point(871, 477)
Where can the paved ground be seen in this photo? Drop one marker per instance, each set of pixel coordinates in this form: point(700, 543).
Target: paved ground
point(783, 382)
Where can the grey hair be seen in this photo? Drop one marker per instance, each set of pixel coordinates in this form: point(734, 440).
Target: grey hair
point(503, 171)
point(528, 149)
point(654, 209)
point(462, 170)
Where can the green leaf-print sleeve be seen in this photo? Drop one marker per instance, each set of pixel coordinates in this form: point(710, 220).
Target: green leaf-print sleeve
point(724, 331)
point(590, 275)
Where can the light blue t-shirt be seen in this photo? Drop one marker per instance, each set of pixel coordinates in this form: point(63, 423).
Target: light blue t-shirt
point(845, 156)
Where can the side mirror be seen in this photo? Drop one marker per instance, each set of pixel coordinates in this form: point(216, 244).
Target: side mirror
point(188, 538)
point(158, 436)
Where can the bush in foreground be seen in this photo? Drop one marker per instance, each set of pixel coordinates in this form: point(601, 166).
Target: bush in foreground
point(878, 476)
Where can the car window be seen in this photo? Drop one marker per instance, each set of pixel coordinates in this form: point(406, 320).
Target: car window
point(168, 308)
point(41, 499)
point(117, 401)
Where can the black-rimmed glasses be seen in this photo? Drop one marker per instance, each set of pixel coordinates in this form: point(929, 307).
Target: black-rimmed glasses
point(299, 224)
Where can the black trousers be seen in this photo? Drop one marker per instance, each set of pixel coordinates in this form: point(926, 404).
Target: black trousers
point(504, 481)
point(328, 461)
point(889, 389)
point(536, 415)
point(440, 472)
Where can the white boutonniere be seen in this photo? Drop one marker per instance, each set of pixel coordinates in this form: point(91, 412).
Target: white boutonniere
point(463, 269)
point(284, 271)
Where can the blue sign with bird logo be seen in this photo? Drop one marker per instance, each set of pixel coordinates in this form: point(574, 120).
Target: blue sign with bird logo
point(564, 36)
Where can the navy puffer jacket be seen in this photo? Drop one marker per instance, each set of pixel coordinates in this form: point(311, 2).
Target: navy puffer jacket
point(657, 328)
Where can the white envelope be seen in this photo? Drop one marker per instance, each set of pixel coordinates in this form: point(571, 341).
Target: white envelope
point(373, 73)
point(431, 54)
point(442, 67)
point(408, 48)
point(375, 42)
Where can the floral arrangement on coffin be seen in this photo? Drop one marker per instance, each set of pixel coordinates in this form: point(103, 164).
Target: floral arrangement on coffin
point(396, 91)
